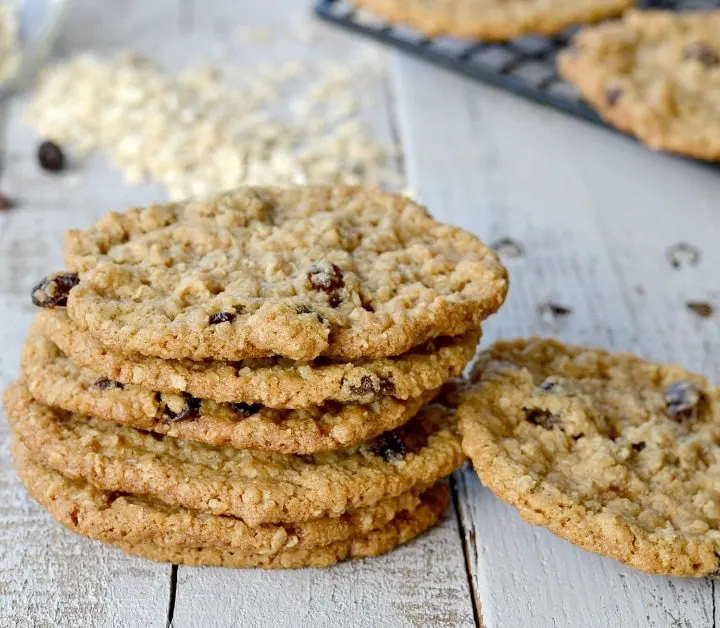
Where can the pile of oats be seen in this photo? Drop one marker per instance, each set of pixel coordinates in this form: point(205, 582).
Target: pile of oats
point(195, 134)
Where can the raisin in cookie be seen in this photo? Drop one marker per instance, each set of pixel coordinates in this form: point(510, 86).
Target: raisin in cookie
point(655, 75)
point(342, 272)
point(618, 455)
point(54, 380)
point(122, 517)
point(258, 487)
point(271, 382)
point(493, 20)
point(402, 529)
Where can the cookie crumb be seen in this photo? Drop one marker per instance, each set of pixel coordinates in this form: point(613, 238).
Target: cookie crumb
point(507, 247)
point(703, 309)
point(682, 254)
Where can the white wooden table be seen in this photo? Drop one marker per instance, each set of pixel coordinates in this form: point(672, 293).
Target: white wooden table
point(595, 214)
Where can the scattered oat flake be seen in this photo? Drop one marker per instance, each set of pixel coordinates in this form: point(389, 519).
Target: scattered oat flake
point(550, 313)
point(508, 247)
point(683, 254)
point(196, 135)
point(703, 309)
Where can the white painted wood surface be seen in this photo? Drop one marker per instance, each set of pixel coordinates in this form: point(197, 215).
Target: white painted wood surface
point(595, 214)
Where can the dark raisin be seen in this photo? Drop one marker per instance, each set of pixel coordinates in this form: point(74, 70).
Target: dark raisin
point(543, 418)
point(386, 387)
point(703, 309)
point(106, 384)
point(370, 386)
point(682, 398)
point(53, 291)
point(245, 409)
point(508, 247)
point(188, 411)
point(703, 53)
point(612, 95)
point(6, 203)
point(638, 446)
point(51, 157)
point(221, 317)
point(328, 278)
point(389, 446)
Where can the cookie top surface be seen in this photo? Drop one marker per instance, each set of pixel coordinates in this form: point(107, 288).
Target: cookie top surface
point(113, 517)
point(272, 382)
point(54, 380)
point(403, 528)
point(656, 75)
point(341, 272)
point(258, 487)
point(493, 20)
point(618, 455)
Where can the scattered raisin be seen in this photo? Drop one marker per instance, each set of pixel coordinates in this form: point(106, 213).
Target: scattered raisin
point(389, 446)
point(682, 398)
point(550, 312)
point(702, 308)
point(189, 410)
point(543, 418)
point(53, 291)
point(508, 247)
point(245, 409)
point(106, 384)
point(51, 157)
point(612, 95)
point(6, 203)
point(221, 317)
point(703, 53)
point(638, 446)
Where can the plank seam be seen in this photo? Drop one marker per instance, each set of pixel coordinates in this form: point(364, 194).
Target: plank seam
point(171, 597)
point(464, 540)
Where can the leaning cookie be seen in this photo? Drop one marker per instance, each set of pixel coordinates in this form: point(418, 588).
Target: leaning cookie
point(343, 272)
point(53, 380)
point(271, 382)
point(615, 454)
point(257, 487)
point(125, 518)
point(655, 75)
point(493, 20)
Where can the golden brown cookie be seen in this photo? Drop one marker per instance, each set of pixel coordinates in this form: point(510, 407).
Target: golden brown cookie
point(656, 75)
point(618, 455)
point(54, 380)
point(344, 272)
point(257, 487)
point(493, 20)
point(275, 383)
point(124, 518)
point(403, 528)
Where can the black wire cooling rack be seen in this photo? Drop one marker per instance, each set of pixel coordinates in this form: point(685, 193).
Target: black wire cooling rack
point(525, 66)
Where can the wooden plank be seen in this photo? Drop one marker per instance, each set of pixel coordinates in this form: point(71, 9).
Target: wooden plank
point(49, 577)
point(595, 214)
point(423, 583)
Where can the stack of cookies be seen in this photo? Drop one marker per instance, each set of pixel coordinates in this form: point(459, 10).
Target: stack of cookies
point(261, 379)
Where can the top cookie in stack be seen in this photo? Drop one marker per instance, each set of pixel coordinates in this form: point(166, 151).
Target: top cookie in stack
point(265, 356)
